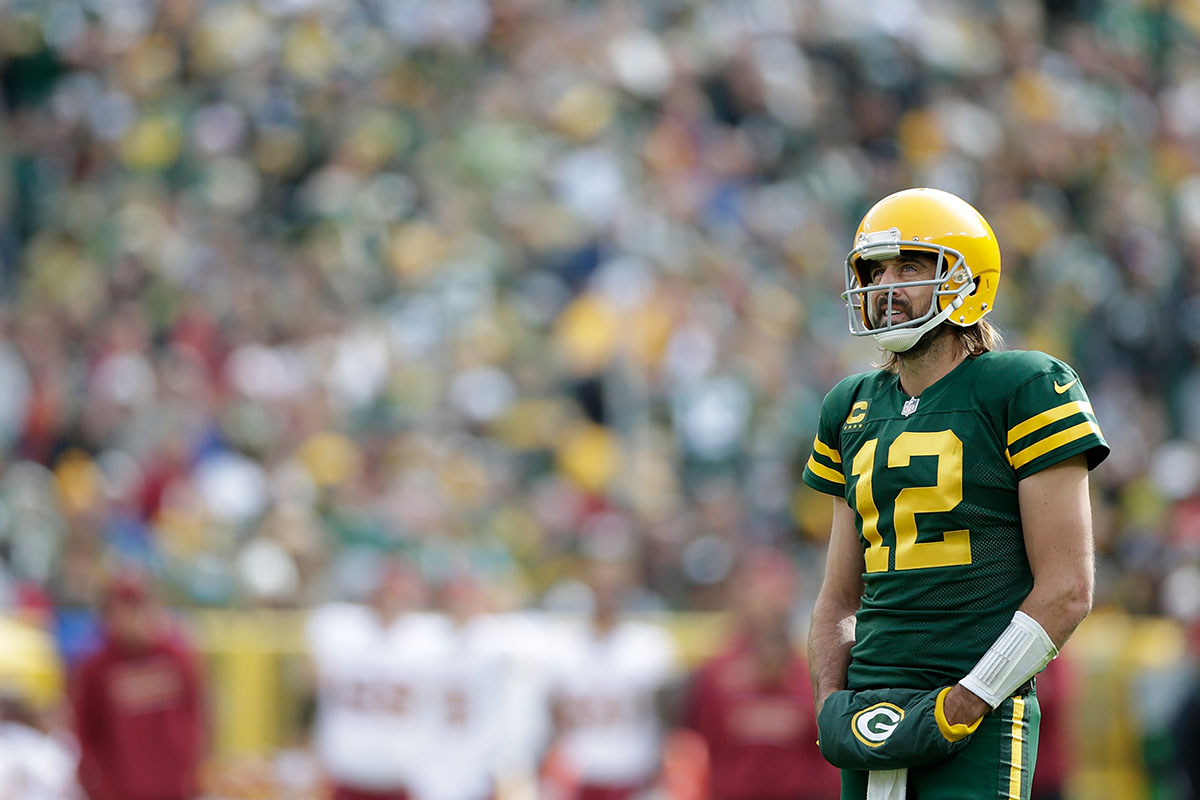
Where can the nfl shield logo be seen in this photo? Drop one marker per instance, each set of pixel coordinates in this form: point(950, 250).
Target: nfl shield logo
point(910, 405)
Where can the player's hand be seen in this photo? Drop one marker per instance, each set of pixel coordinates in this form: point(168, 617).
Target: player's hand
point(964, 707)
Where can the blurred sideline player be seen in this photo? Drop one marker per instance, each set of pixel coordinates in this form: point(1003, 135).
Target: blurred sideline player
point(36, 759)
point(606, 682)
point(139, 702)
point(484, 729)
point(370, 661)
point(752, 702)
point(34, 763)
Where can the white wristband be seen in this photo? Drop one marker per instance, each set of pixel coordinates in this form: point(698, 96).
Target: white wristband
point(1020, 653)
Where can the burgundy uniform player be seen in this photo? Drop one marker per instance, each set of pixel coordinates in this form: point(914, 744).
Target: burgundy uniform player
point(138, 703)
point(752, 703)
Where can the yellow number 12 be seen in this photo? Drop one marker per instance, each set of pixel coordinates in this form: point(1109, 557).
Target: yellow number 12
point(954, 548)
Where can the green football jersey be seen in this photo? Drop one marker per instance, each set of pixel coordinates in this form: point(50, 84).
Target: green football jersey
point(933, 482)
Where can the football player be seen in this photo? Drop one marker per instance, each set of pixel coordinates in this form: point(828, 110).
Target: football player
point(487, 724)
point(606, 686)
point(372, 664)
point(139, 699)
point(960, 557)
point(751, 702)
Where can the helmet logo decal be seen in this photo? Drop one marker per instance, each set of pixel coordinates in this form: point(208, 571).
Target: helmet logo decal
point(874, 725)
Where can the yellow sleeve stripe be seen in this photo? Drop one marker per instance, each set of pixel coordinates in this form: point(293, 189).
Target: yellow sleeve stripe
point(1045, 418)
point(1023, 457)
point(827, 451)
point(822, 471)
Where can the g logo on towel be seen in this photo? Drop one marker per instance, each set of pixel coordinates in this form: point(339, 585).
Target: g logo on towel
point(873, 725)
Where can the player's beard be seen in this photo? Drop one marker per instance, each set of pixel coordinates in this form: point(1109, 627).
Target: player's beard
point(925, 343)
point(922, 345)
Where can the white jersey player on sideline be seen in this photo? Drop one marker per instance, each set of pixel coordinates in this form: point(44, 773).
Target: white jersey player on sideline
point(489, 718)
point(605, 686)
point(372, 664)
point(34, 764)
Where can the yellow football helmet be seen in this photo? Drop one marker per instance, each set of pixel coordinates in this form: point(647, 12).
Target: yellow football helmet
point(932, 221)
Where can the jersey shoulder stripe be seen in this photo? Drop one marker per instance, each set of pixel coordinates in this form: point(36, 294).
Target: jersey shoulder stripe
point(1055, 442)
point(1039, 421)
point(825, 462)
point(827, 451)
point(1048, 416)
point(820, 470)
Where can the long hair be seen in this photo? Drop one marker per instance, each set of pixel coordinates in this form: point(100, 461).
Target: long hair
point(976, 339)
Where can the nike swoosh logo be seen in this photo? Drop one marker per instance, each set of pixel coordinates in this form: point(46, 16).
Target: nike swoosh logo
point(1061, 389)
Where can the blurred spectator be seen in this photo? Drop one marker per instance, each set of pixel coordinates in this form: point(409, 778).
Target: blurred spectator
point(607, 682)
point(139, 702)
point(374, 664)
point(277, 278)
point(752, 702)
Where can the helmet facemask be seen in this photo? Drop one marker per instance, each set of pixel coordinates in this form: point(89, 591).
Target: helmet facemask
point(952, 282)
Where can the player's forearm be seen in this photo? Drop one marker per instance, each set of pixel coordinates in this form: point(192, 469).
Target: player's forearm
point(1043, 623)
point(1059, 606)
point(831, 635)
point(1057, 521)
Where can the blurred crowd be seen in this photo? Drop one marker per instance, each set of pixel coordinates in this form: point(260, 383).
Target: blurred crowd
point(288, 282)
point(485, 284)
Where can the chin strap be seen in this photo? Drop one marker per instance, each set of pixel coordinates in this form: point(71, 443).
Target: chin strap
point(902, 340)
